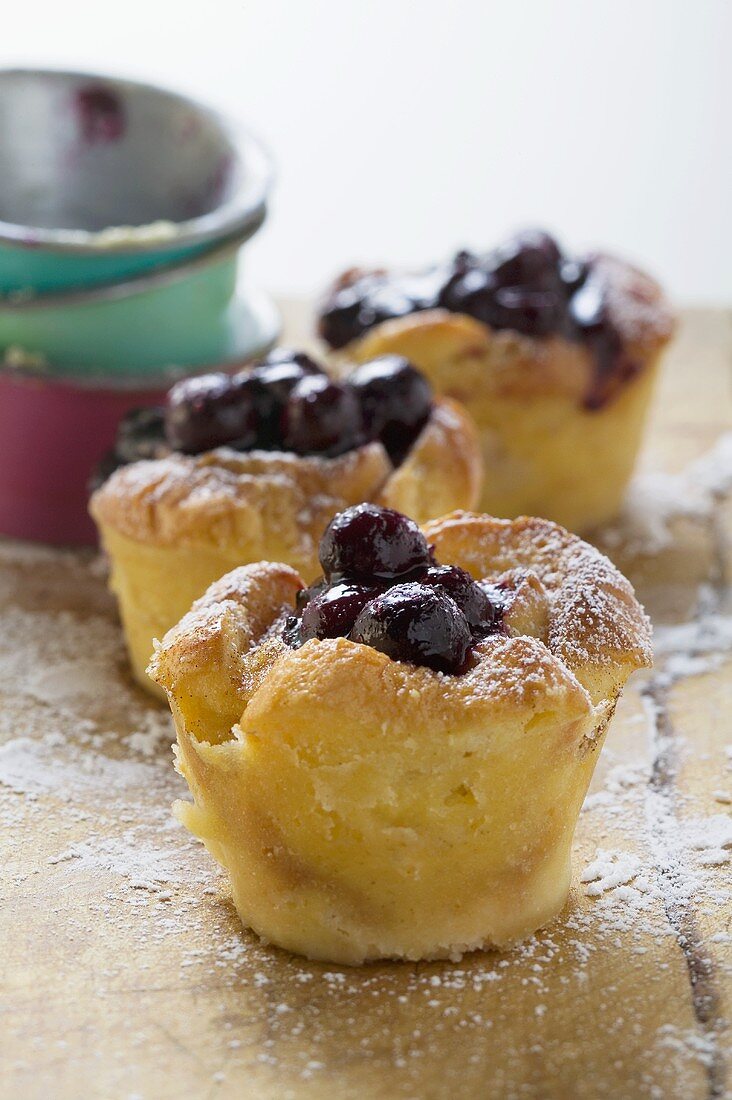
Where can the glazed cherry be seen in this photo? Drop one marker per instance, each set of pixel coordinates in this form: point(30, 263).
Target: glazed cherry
point(282, 356)
point(531, 312)
point(396, 400)
point(273, 380)
point(338, 323)
point(211, 411)
point(573, 274)
point(140, 435)
point(321, 417)
point(589, 311)
point(367, 541)
point(530, 259)
point(332, 613)
point(305, 595)
point(482, 616)
point(416, 623)
point(471, 292)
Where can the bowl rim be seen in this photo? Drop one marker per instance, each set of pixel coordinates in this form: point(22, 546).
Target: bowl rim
point(161, 378)
point(242, 214)
point(221, 251)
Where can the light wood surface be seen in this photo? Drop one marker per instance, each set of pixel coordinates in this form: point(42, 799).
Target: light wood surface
point(124, 972)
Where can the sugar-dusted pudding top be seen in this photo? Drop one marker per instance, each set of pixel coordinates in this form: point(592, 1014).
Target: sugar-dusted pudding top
point(285, 403)
point(527, 285)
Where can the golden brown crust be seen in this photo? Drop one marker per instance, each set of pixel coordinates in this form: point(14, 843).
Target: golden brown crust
point(267, 503)
point(230, 498)
point(595, 621)
point(219, 651)
point(574, 598)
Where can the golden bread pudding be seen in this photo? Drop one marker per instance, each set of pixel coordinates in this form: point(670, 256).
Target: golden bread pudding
point(248, 467)
point(555, 359)
point(391, 763)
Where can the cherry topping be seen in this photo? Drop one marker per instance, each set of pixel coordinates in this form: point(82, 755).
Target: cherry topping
point(532, 312)
point(210, 411)
point(417, 623)
point(396, 400)
point(367, 541)
point(320, 417)
point(382, 588)
point(526, 285)
point(305, 595)
point(332, 613)
point(140, 435)
point(273, 381)
point(472, 600)
point(530, 259)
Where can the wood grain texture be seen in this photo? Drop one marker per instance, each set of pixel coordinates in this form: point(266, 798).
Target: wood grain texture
point(124, 972)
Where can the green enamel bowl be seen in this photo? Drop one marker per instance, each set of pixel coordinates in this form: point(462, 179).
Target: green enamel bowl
point(194, 313)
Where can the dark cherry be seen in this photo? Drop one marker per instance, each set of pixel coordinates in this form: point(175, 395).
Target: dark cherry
point(499, 595)
point(279, 357)
point(395, 399)
point(305, 595)
point(211, 411)
point(483, 617)
point(534, 312)
point(463, 261)
point(416, 623)
point(338, 323)
point(291, 632)
point(531, 312)
point(141, 434)
point(573, 274)
point(354, 306)
point(471, 292)
point(367, 541)
point(530, 259)
point(589, 311)
point(273, 380)
point(332, 613)
point(321, 417)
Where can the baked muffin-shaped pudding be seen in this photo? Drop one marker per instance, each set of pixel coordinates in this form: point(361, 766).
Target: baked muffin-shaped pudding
point(390, 763)
point(554, 357)
point(253, 466)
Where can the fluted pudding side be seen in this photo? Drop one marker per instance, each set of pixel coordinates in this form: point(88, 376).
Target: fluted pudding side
point(369, 808)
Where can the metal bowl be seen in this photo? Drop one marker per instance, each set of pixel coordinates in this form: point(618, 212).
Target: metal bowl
point(106, 178)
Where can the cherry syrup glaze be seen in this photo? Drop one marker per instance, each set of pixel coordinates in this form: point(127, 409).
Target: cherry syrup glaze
point(381, 587)
point(526, 285)
point(284, 403)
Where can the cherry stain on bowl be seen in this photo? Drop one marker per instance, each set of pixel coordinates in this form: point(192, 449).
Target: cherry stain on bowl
point(101, 114)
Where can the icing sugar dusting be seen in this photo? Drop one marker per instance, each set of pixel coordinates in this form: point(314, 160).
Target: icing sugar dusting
point(655, 499)
point(89, 777)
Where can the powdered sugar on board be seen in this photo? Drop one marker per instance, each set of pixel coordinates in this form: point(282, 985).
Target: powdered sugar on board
point(126, 896)
point(655, 499)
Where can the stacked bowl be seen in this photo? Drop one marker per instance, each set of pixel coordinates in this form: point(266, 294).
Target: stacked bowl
point(123, 212)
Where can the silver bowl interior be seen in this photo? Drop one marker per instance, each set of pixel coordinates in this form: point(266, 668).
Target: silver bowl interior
point(80, 153)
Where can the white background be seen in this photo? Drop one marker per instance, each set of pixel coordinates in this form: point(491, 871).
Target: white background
point(402, 130)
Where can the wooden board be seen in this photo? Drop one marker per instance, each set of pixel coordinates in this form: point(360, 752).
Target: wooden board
point(124, 972)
